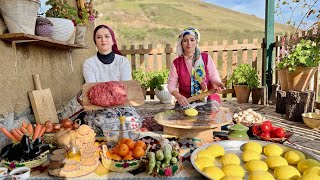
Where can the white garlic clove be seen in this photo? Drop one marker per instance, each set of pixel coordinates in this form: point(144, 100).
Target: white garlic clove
point(235, 115)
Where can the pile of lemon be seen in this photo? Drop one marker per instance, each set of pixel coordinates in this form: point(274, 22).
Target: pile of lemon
point(268, 163)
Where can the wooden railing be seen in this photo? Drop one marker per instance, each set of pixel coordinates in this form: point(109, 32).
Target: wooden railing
point(226, 56)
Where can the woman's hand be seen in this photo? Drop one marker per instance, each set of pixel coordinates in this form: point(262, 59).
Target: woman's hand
point(218, 86)
point(182, 100)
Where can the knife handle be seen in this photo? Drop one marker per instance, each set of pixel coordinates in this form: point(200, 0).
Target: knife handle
point(36, 81)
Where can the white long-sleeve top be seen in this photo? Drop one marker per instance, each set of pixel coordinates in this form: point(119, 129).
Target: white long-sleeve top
point(95, 71)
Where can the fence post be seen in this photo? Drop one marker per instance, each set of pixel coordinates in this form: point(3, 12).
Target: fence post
point(133, 58)
point(168, 52)
point(150, 58)
point(142, 65)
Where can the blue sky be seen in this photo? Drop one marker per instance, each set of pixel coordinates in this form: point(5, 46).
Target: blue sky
point(257, 8)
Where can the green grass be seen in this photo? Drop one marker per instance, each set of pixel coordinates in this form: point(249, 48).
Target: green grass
point(160, 21)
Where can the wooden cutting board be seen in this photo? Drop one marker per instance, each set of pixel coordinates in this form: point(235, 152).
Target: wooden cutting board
point(42, 103)
point(135, 95)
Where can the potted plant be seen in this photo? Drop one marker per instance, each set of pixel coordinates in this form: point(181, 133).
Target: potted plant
point(62, 16)
point(301, 63)
point(143, 77)
point(159, 83)
point(244, 78)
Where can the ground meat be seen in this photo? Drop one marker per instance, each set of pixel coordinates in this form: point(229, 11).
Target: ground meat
point(108, 94)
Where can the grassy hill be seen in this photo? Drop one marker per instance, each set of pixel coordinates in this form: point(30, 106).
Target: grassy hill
point(160, 21)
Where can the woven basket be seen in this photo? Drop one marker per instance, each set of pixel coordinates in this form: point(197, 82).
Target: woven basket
point(123, 165)
point(31, 164)
point(20, 15)
point(168, 171)
point(48, 138)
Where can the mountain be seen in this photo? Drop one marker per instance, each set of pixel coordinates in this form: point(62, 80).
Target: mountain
point(160, 21)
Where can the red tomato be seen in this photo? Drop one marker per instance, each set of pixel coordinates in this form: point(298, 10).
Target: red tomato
point(265, 135)
point(256, 129)
point(273, 128)
point(267, 122)
point(279, 132)
point(265, 127)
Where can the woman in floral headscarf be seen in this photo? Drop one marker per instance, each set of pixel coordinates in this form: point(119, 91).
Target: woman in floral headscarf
point(192, 72)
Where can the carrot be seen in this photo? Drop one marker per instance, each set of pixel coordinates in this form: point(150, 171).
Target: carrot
point(30, 129)
point(37, 131)
point(43, 130)
point(24, 125)
point(16, 135)
point(19, 132)
point(24, 131)
point(8, 134)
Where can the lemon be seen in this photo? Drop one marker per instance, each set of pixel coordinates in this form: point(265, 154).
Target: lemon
point(216, 150)
point(205, 153)
point(203, 162)
point(304, 164)
point(191, 112)
point(275, 161)
point(233, 170)
point(256, 165)
point(231, 178)
point(286, 172)
point(312, 170)
point(230, 158)
point(213, 172)
point(293, 157)
point(310, 177)
point(258, 175)
point(253, 146)
point(272, 150)
point(250, 155)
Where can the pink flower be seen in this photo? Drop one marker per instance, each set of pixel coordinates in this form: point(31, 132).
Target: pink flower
point(91, 18)
point(168, 172)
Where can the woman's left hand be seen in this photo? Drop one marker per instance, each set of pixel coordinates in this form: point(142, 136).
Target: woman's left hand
point(218, 86)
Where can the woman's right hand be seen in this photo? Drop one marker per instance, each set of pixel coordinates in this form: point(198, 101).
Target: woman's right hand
point(182, 100)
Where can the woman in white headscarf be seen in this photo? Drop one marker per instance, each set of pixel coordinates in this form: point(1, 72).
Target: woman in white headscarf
point(192, 72)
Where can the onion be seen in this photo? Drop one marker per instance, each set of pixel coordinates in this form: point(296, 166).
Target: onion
point(49, 128)
point(66, 123)
point(48, 122)
point(56, 126)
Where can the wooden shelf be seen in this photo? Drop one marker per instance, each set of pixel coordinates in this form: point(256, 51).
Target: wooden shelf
point(39, 40)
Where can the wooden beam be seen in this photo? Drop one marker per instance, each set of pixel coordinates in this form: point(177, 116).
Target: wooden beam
point(269, 36)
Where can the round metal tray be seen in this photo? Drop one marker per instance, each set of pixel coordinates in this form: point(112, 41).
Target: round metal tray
point(233, 146)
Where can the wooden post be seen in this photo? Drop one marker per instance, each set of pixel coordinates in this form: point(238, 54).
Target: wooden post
point(298, 103)
point(281, 102)
point(168, 52)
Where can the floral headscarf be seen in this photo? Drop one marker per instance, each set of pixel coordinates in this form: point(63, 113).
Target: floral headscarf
point(114, 46)
point(198, 74)
point(195, 33)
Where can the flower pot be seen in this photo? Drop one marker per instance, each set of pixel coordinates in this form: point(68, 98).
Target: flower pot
point(164, 95)
point(20, 15)
point(282, 74)
point(259, 95)
point(299, 80)
point(242, 93)
point(80, 35)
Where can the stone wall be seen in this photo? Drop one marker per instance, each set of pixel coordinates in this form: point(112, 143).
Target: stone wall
point(59, 69)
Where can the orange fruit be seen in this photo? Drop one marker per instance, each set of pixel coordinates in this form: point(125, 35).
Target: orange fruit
point(123, 150)
point(127, 157)
point(130, 153)
point(123, 140)
point(138, 152)
point(115, 157)
point(108, 154)
point(115, 149)
point(130, 143)
point(140, 144)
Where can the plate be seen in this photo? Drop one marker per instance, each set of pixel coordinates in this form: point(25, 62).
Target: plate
point(233, 146)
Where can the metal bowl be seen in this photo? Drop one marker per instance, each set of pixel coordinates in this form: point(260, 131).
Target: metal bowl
point(312, 120)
